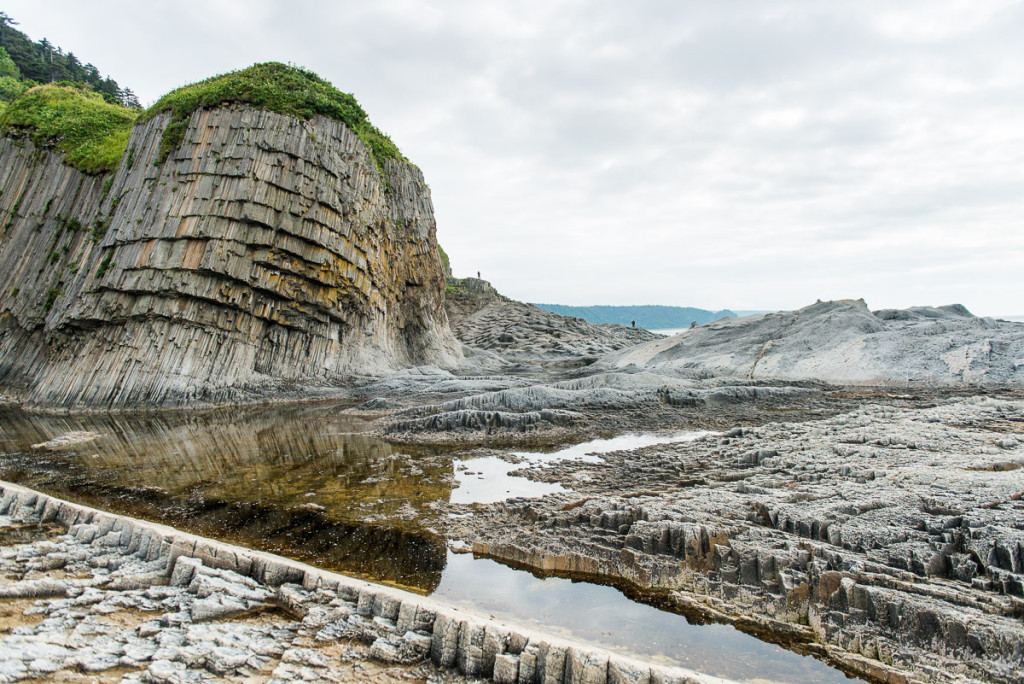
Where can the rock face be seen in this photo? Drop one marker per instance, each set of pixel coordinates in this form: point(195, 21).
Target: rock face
point(265, 253)
point(843, 342)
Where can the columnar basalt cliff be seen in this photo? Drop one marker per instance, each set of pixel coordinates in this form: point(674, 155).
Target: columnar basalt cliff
point(265, 252)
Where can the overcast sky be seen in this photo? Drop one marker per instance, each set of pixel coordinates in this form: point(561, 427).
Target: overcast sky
point(742, 154)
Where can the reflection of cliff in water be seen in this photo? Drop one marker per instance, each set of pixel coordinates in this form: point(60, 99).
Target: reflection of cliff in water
point(293, 480)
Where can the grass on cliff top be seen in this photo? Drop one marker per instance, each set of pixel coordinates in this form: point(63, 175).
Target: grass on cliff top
point(276, 87)
point(92, 134)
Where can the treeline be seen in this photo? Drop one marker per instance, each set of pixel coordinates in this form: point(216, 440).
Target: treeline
point(24, 63)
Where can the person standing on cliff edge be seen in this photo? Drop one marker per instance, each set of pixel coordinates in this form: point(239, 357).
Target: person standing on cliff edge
point(634, 324)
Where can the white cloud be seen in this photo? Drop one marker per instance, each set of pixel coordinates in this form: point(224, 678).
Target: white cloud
point(741, 154)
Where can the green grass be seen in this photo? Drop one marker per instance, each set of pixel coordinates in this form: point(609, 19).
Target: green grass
point(92, 134)
point(51, 298)
point(445, 264)
point(275, 87)
point(105, 264)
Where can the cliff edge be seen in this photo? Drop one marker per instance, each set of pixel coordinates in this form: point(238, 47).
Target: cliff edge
point(233, 253)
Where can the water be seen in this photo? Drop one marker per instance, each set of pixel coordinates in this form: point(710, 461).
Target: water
point(489, 479)
point(602, 615)
point(299, 481)
point(305, 483)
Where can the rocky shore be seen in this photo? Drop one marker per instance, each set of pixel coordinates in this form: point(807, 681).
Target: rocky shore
point(879, 527)
point(90, 594)
point(890, 537)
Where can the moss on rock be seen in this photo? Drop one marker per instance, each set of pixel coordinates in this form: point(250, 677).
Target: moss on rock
point(276, 87)
point(92, 134)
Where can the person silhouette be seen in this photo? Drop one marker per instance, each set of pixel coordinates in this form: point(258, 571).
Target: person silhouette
point(634, 324)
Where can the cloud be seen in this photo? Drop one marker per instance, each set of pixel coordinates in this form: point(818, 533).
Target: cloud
point(741, 154)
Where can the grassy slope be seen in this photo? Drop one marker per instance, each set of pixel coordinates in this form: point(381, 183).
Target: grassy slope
point(92, 134)
point(276, 87)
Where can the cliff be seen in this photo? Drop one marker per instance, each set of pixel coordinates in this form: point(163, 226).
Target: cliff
point(262, 252)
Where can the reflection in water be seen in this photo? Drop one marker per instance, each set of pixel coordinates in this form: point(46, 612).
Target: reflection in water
point(298, 481)
point(487, 480)
point(293, 480)
point(602, 615)
point(490, 479)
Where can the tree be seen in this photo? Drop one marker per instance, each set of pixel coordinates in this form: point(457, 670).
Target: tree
point(11, 88)
point(43, 62)
point(46, 47)
point(7, 65)
point(5, 21)
point(128, 99)
point(74, 67)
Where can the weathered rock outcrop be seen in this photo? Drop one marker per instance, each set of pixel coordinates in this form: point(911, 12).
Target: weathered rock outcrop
point(265, 253)
point(892, 536)
point(522, 333)
point(194, 594)
point(843, 342)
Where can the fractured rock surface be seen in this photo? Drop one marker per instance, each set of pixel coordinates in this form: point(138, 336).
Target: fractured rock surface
point(523, 333)
point(893, 536)
point(145, 603)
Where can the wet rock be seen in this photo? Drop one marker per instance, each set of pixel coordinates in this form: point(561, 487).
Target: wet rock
point(908, 557)
point(470, 420)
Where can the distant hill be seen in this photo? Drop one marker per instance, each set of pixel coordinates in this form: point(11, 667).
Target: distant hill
point(651, 317)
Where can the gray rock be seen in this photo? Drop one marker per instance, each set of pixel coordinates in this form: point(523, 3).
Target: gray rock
point(244, 245)
point(842, 342)
point(506, 669)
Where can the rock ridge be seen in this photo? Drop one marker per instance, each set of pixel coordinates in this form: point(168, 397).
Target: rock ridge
point(843, 343)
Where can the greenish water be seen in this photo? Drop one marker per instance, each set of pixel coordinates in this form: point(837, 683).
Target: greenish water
point(308, 483)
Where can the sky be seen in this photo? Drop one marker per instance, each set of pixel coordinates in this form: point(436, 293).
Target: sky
point(750, 154)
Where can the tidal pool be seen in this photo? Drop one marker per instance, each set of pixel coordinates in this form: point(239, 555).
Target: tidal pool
point(300, 481)
point(489, 479)
point(303, 481)
point(603, 615)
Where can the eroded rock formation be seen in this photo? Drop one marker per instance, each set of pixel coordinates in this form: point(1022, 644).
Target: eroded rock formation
point(843, 343)
point(890, 536)
point(266, 253)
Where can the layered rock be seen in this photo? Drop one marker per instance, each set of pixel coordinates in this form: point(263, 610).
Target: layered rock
point(187, 600)
point(843, 342)
point(265, 253)
point(891, 536)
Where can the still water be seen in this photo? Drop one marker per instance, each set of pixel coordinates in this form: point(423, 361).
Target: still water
point(306, 483)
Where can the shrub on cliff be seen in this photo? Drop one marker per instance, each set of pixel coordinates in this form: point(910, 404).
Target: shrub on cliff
point(7, 66)
point(91, 133)
point(276, 87)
